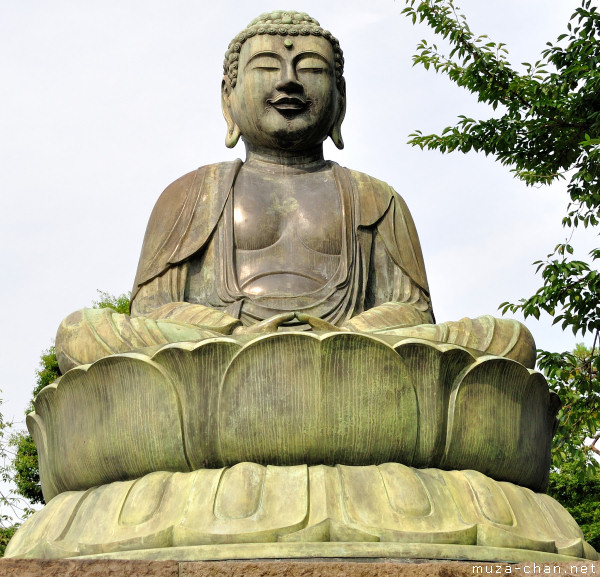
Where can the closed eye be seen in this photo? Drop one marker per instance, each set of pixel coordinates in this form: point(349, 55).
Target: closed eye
point(316, 70)
point(312, 63)
point(265, 67)
point(264, 62)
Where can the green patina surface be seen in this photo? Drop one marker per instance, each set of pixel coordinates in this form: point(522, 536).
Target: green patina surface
point(294, 398)
point(251, 510)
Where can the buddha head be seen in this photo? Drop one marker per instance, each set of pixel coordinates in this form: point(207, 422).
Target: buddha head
point(283, 86)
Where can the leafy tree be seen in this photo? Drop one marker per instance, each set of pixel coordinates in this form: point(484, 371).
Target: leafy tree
point(574, 376)
point(8, 501)
point(6, 534)
point(119, 303)
point(11, 504)
point(581, 497)
point(26, 468)
point(548, 129)
point(25, 464)
point(46, 374)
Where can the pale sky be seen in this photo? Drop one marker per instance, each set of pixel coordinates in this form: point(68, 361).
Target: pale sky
point(103, 104)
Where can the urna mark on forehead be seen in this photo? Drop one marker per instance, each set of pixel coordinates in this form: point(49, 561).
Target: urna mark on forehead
point(284, 23)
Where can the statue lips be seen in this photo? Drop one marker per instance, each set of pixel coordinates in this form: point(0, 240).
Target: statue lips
point(289, 105)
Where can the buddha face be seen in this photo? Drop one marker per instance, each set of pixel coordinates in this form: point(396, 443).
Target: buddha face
point(286, 96)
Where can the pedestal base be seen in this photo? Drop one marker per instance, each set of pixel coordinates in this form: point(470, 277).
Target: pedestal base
point(347, 550)
point(250, 511)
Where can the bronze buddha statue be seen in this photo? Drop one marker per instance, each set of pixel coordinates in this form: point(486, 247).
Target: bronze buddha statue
point(286, 239)
point(281, 388)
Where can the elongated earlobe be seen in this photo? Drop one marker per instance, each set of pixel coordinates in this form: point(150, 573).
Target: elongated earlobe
point(336, 129)
point(336, 135)
point(233, 132)
point(233, 135)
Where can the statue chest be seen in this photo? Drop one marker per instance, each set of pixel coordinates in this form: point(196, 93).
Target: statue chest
point(287, 232)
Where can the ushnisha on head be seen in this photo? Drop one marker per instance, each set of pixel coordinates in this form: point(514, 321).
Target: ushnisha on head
point(283, 85)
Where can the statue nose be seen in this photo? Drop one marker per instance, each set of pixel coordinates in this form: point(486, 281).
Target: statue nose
point(289, 82)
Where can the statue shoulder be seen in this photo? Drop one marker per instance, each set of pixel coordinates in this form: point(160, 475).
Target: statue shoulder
point(369, 180)
point(176, 194)
point(184, 217)
point(375, 197)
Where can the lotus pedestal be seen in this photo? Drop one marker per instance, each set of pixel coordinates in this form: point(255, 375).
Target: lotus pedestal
point(294, 445)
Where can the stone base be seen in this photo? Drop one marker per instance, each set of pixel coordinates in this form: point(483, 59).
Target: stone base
point(251, 512)
point(351, 550)
point(308, 568)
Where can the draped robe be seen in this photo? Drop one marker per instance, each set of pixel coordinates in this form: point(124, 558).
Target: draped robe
point(188, 252)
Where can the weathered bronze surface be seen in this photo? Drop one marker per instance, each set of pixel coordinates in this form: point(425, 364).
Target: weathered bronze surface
point(380, 511)
point(286, 240)
point(294, 398)
point(281, 315)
